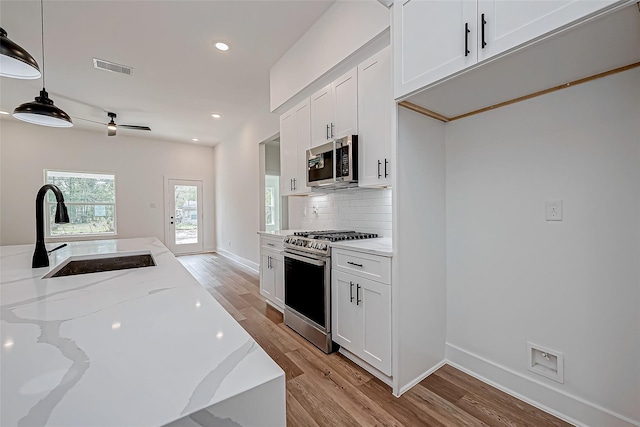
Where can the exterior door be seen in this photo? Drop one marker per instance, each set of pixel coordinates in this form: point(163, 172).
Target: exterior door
point(184, 219)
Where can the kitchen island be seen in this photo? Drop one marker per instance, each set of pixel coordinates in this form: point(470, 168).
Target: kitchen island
point(145, 347)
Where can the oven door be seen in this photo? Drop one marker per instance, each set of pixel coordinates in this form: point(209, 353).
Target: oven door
point(307, 289)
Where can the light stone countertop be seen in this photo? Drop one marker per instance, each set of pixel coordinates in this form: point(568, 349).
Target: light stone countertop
point(378, 246)
point(143, 347)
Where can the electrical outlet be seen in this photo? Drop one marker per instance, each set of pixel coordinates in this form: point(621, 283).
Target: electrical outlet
point(553, 210)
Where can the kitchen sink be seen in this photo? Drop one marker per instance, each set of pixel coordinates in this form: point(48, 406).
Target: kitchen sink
point(85, 264)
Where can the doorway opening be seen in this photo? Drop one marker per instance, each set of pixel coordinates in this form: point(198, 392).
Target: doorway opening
point(274, 208)
point(184, 217)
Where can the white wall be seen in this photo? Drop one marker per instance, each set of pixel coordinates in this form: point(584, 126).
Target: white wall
point(365, 210)
point(141, 165)
point(572, 286)
point(419, 265)
point(238, 183)
point(338, 34)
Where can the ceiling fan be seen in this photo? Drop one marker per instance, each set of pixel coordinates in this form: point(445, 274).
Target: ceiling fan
point(112, 127)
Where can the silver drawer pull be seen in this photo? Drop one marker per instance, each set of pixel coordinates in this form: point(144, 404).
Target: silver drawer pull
point(353, 263)
point(271, 244)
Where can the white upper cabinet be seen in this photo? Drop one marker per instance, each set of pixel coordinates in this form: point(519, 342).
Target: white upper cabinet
point(430, 39)
point(321, 116)
point(508, 24)
point(375, 109)
point(334, 109)
point(435, 39)
point(295, 136)
point(345, 101)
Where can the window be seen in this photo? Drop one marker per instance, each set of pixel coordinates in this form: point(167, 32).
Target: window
point(91, 202)
point(269, 204)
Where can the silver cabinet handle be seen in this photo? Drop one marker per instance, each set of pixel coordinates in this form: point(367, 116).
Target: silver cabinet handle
point(353, 263)
point(327, 131)
point(358, 300)
point(271, 244)
point(386, 162)
point(379, 175)
point(331, 130)
point(350, 291)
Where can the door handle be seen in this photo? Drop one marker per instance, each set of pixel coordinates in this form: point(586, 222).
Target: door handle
point(466, 39)
point(379, 169)
point(358, 300)
point(331, 130)
point(484, 22)
point(350, 291)
point(327, 131)
point(386, 162)
point(353, 263)
point(291, 184)
point(294, 184)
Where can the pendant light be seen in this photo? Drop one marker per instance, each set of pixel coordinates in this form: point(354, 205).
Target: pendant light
point(42, 111)
point(15, 62)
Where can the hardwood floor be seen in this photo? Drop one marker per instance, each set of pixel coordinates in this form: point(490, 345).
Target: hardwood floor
point(330, 390)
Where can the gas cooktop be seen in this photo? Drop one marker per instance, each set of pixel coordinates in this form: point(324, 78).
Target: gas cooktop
point(335, 235)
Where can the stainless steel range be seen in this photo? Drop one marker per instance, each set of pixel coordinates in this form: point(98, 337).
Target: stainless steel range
point(307, 283)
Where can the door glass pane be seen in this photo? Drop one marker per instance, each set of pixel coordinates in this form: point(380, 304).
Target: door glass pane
point(186, 214)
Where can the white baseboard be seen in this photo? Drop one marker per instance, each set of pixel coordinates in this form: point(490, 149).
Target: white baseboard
point(242, 261)
point(419, 378)
point(563, 405)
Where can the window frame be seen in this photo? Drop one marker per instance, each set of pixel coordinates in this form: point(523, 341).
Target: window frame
point(272, 206)
point(84, 236)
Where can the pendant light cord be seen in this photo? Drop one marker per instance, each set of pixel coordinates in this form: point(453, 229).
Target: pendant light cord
point(42, 33)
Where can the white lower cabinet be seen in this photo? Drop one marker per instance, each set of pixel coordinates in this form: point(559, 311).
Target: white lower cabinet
point(361, 317)
point(272, 272)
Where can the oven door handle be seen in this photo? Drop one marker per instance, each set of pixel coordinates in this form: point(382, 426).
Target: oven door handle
point(319, 263)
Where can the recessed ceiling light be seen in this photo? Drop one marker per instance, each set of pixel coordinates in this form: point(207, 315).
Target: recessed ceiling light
point(194, 139)
point(216, 115)
point(222, 46)
point(3, 112)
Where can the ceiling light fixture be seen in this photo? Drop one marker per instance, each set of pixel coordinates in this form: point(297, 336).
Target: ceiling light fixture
point(194, 139)
point(222, 46)
point(15, 62)
point(42, 111)
point(216, 115)
point(3, 112)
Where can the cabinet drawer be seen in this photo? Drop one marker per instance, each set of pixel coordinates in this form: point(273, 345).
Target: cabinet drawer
point(372, 267)
point(272, 243)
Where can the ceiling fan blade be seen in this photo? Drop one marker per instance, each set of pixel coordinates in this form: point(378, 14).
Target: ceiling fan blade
point(135, 127)
point(111, 132)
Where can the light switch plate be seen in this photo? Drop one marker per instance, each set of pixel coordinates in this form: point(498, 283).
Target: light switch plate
point(553, 210)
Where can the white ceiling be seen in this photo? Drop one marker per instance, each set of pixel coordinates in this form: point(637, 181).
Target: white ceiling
point(179, 78)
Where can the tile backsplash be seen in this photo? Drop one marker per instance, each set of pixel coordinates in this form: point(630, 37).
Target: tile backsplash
point(365, 210)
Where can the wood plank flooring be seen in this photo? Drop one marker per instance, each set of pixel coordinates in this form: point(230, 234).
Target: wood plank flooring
point(330, 390)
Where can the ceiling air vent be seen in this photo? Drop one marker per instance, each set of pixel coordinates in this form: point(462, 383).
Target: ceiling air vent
point(101, 64)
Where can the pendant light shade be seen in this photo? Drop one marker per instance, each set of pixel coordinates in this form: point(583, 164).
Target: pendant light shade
point(43, 112)
point(15, 62)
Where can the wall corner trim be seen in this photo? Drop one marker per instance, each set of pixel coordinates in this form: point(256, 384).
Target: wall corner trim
point(419, 378)
point(566, 406)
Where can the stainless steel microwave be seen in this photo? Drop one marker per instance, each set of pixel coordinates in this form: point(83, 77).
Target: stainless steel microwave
point(334, 164)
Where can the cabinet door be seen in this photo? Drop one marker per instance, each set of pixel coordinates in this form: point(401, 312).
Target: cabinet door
point(375, 108)
point(322, 115)
point(345, 101)
point(278, 273)
point(345, 320)
point(288, 152)
point(303, 129)
point(429, 41)
point(512, 23)
point(267, 279)
point(375, 308)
